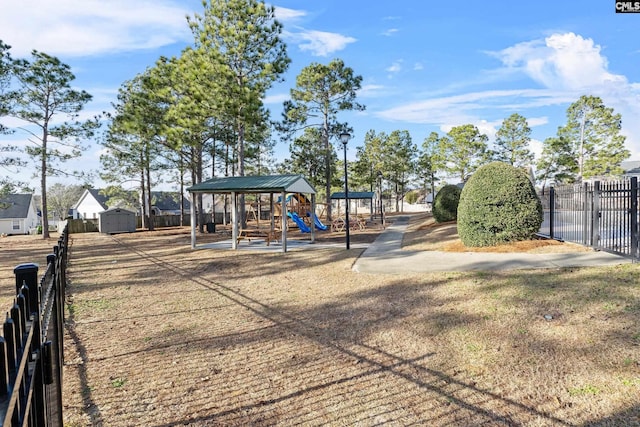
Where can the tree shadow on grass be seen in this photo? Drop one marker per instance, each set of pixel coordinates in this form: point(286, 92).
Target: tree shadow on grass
point(329, 362)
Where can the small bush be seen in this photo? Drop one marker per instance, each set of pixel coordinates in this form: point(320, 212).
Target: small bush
point(411, 197)
point(445, 205)
point(498, 205)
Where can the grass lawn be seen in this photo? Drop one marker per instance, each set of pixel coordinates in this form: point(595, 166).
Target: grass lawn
point(161, 335)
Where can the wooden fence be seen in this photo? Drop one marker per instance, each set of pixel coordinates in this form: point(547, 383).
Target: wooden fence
point(31, 348)
point(159, 221)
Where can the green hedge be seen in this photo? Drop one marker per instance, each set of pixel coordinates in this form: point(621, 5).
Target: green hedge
point(445, 205)
point(498, 204)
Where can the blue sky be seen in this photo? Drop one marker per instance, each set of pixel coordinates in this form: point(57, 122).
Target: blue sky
point(426, 65)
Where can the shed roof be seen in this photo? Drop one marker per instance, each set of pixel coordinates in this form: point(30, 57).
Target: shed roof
point(116, 211)
point(255, 184)
point(354, 195)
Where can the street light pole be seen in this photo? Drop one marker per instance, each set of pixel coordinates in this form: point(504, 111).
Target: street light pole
point(380, 198)
point(344, 138)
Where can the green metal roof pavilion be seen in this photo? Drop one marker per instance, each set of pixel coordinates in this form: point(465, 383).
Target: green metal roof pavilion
point(235, 185)
point(354, 195)
point(255, 184)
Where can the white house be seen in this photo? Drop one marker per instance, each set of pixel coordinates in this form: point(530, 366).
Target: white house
point(92, 202)
point(18, 214)
point(89, 205)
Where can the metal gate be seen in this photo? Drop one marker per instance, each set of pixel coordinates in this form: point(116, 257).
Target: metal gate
point(603, 215)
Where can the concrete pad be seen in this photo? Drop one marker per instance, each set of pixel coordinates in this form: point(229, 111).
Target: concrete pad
point(385, 256)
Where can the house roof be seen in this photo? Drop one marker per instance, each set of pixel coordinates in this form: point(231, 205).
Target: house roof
point(168, 200)
point(255, 184)
point(100, 198)
point(631, 167)
point(15, 206)
point(354, 195)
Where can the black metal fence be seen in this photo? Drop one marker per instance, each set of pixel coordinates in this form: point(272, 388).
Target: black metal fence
point(603, 215)
point(31, 350)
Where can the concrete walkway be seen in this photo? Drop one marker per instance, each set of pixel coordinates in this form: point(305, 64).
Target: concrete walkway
point(385, 256)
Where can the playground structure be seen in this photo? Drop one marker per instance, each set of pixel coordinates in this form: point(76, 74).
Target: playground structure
point(237, 186)
point(296, 207)
point(299, 211)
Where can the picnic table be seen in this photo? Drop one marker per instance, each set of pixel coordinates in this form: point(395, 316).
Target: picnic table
point(252, 233)
point(357, 223)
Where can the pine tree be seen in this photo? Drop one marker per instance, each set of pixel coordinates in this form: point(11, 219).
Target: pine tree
point(321, 92)
point(593, 135)
point(462, 151)
point(45, 94)
point(512, 141)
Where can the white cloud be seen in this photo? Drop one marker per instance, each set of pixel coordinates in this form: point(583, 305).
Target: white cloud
point(536, 146)
point(390, 32)
point(278, 98)
point(466, 108)
point(418, 66)
point(91, 27)
point(396, 67)
point(370, 90)
point(537, 121)
point(561, 61)
point(488, 128)
point(286, 14)
point(321, 43)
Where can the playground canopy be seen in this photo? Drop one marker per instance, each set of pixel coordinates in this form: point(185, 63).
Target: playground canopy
point(356, 195)
point(271, 184)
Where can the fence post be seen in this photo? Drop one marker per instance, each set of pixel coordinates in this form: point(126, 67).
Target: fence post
point(4, 369)
point(27, 274)
point(585, 212)
point(595, 216)
point(9, 333)
point(18, 325)
point(634, 217)
point(552, 209)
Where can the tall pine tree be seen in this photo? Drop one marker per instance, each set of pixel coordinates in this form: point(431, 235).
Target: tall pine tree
point(512, 141)
point(43, 98)
point(593, 135)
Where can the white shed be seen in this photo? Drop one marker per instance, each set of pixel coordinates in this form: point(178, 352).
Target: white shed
point(116, 220)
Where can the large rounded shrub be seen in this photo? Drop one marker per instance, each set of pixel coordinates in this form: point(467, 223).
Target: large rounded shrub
point(445, 205)
point(498, 204)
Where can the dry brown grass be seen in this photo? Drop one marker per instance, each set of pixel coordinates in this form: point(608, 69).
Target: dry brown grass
point(425, 234)
point(160, 335)
point(15, 250)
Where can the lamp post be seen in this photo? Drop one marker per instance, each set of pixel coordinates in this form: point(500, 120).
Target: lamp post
point(380, 197)
point(344, 138)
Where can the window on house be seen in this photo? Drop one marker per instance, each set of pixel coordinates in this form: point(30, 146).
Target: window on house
point(16, 224)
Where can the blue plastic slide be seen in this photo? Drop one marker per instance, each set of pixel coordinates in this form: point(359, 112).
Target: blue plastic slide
point(319, 225)
point(301, 225)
